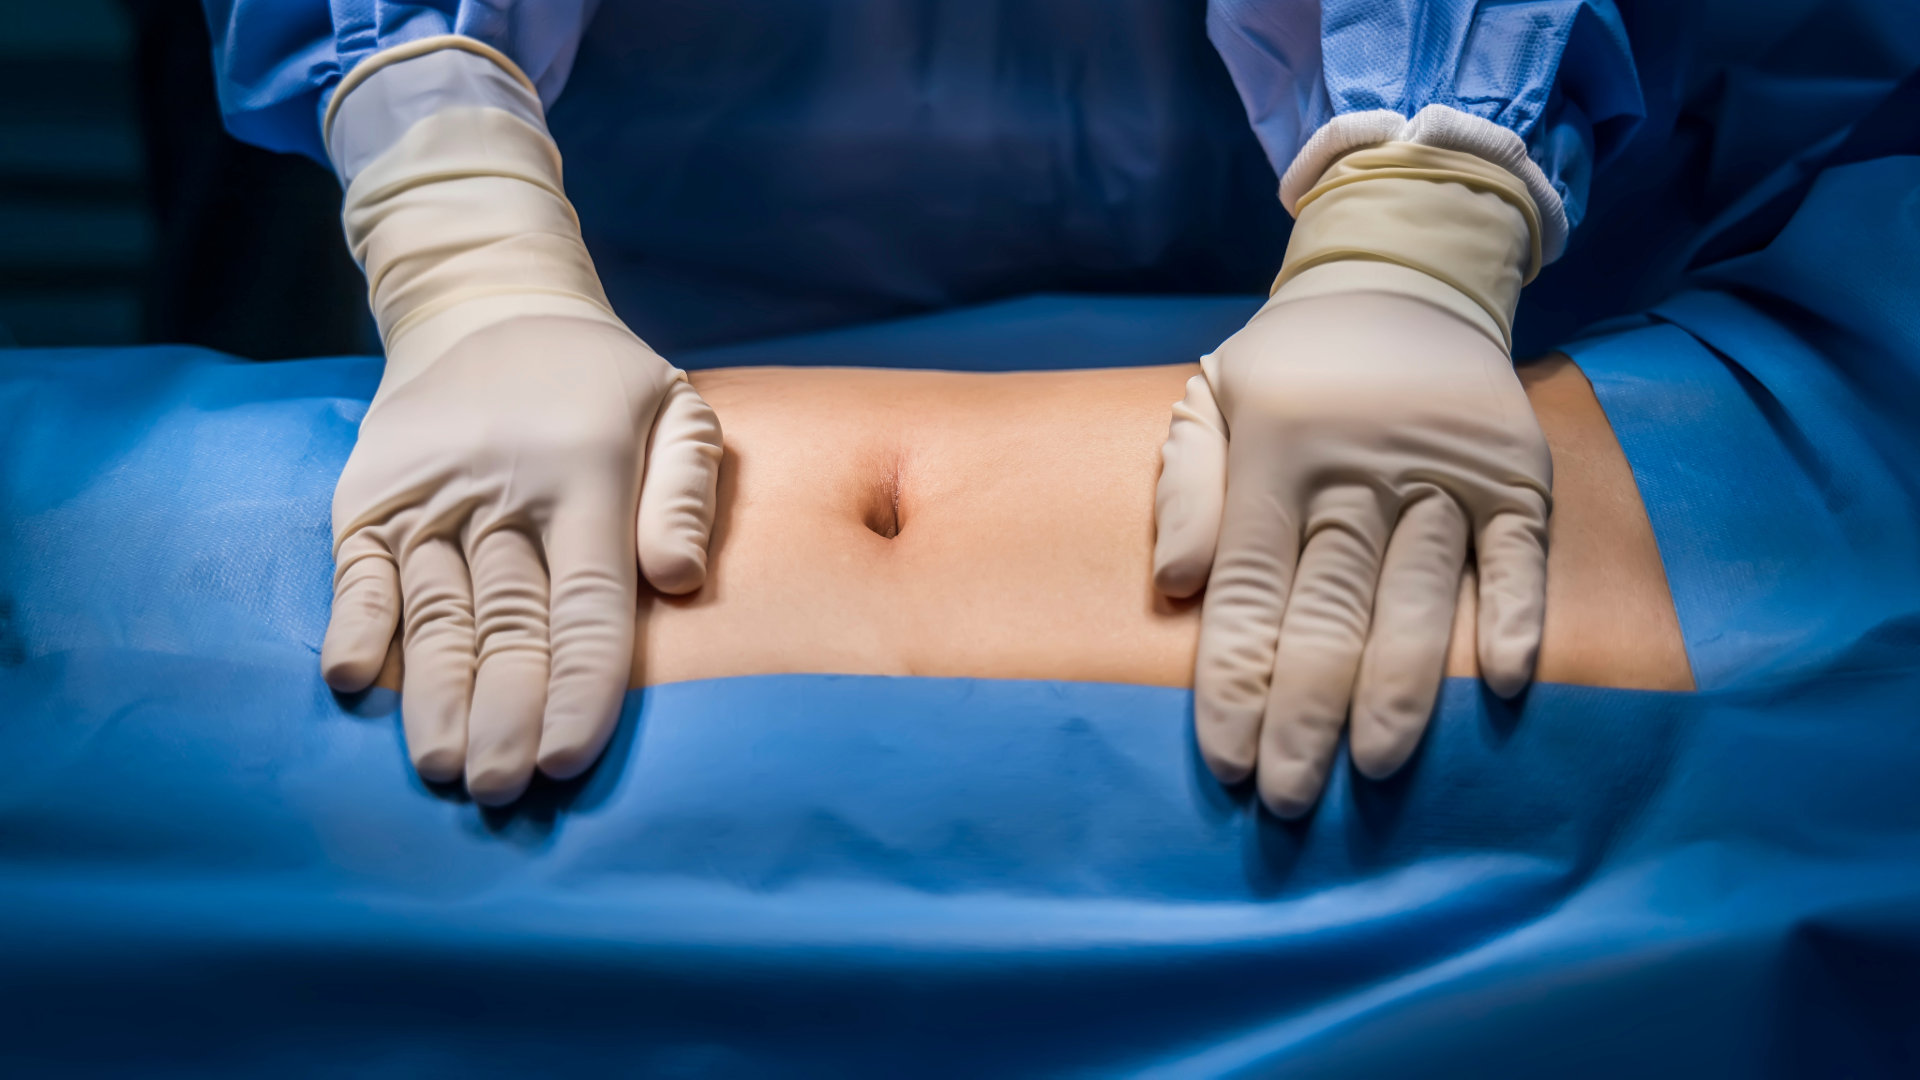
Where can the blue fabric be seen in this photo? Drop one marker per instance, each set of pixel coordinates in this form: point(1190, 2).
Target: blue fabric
point(211, 867)
point(1784, 405)
point(1047, 333)
point(747, 169)
point(209, 864)
point(1559, 73)
point(753, 168)
point(277, 62)
point(1745, 102)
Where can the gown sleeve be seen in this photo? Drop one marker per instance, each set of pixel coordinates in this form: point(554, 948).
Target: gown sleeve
point(1558, 73)
point(277, 62)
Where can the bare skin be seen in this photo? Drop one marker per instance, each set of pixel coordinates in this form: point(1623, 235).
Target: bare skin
point(1001, 526)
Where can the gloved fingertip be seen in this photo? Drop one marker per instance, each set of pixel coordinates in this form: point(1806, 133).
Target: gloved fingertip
point(675, 572)
point(1289, 794)
point(439, 764)
point(1380, 745)
point(568, 759)
point(1227, 768)
point(1389, 717)
point(350, 673)
point(498, 783)
point(1507, 661)
point(1228, 745)
point(680, 494)
point(570, 744)
point(1506, 688)
point(354, 651)
point(1513, 574)
point(1229, 700)
point(361, 624)
point(1181, 576)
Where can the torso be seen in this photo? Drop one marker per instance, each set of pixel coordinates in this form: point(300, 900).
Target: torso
point(1023, 536)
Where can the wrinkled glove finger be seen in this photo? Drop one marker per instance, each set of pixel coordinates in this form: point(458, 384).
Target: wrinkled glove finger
point(510, 680)
point(1191, 494)
point(366, 611)
point(437, 646)
point(678, 493)
point(1512, 557)
point(1239, 627)
point(1321, 638)
point(590, 559)
point(1406, 654)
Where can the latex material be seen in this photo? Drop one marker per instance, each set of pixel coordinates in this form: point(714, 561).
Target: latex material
point(1490, 157)
point(524, 447)
point(504, 494)
point(1322, 481)
point(463, 225)
point(1465, 222)
point(417, 81)
point(1369, 433)
point(1376, 276)
point(211, 866)
point(462, 221)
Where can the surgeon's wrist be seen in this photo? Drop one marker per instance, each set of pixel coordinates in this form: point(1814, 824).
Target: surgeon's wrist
point(1440, 127)
point(461, 221)
point(413, 352)
point(1466, 224)
point(1374, 276)
point(389, 92)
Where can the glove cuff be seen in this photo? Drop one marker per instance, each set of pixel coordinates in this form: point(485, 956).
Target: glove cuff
point(461, 220)
point(1450, 215)
point(1436, 126)
point(396, 88)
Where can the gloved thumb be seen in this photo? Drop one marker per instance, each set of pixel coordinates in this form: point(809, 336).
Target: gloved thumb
point(678, 491)
point(1192, 492)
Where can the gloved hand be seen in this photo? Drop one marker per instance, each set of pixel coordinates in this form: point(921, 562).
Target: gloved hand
point(1325, 472)
point(524, 450)
point(493, 499)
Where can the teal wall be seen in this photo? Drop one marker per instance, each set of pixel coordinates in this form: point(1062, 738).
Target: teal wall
point(74, 230)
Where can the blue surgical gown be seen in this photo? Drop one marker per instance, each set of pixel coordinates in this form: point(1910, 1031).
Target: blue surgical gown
point(1557, 72)
point(748, 168)
point(1551, 70)
point(1067, 144)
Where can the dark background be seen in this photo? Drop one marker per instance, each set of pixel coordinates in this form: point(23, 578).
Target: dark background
point(127, 215)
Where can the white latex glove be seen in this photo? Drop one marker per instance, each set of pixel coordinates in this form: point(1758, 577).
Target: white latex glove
point(493, 499)
point(525, 450)
point(1322, 480)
